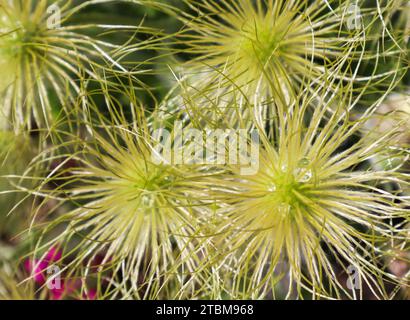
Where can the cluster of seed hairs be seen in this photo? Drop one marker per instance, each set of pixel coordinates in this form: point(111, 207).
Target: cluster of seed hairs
point(139, 213)
point(48, 59)
point(266, 51)
point(331, 190)
point(307, 209)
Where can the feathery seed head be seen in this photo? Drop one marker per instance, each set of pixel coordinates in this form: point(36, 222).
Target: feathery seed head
point(45, 58)
point(266, 49)
point(141, 215)
point(306, 207)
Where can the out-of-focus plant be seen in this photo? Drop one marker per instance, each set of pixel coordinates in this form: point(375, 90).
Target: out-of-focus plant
point(397, 109)
point(11, 288)
point(16, 153)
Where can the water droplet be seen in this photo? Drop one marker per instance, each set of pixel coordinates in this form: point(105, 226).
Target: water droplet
point(272, 187)
point(169, 178)
point(302, 172)
point(147, 200)
point(303, 163)
point(306, 176)
point(284, 168)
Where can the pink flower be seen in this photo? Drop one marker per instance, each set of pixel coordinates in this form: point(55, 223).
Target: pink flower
point(69, 287)
point(91, 294)
point(58, 293)
point(53, 255)
point(36, 268)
